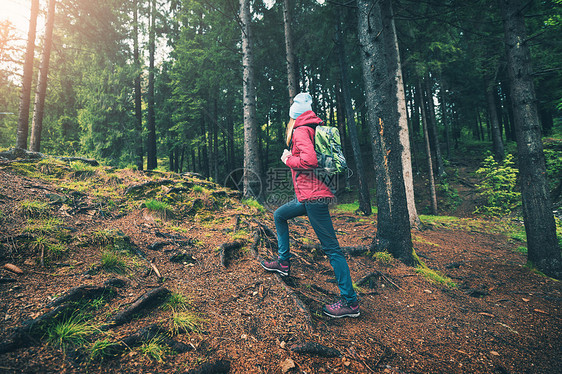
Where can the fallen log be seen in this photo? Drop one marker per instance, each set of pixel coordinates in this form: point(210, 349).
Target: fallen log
point(216, 367)
point(148, 301)
point(315, 349)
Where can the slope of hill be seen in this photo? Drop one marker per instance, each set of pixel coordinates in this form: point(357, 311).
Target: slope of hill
point(168, 280)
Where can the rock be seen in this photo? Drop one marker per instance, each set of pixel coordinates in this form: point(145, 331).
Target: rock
point(287, 365)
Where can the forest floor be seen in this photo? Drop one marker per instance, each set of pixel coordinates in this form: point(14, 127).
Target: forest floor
point(487, 313)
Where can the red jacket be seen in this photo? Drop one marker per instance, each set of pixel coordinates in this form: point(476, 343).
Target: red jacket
point(303, 160)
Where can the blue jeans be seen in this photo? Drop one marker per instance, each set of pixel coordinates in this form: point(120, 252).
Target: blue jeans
point(321, 222)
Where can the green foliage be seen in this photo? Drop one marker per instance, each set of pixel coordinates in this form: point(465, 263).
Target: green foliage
point(553, 159)
point(498, 187)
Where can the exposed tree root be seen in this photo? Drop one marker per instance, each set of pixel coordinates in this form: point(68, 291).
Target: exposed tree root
point(315, 349)
point(139, 187)
point(144, 303)
point(83, 292)
point(146, 334)
point(226, 250)
point(298, 302)
point(216, 367)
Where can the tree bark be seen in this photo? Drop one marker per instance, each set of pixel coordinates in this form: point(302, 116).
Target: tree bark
point(432, 128)
point(432, 193)
point(395, 70)
point(494, 123)
point(25, 98)
point(542, 245)
point(138, 94)
point(293, 82)
point(152, 162)
point(393, 226)
point(252, 186)
point(41, 92)
point(364, 197)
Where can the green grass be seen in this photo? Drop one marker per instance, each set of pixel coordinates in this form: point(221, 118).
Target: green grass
point(47, 226)
point(154, 349)
point(384, 257)
point(431, 275)
point(113, 262)
point(199, 189)
point(252, 203)
point(156, 205)
point(176, 302)
point(34, 208)
point(351, 208)
point(101, 349)
point(435, 277)
point(74, 330)
point(183, 322)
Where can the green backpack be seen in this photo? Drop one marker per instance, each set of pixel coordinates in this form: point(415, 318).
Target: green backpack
point(329, 152)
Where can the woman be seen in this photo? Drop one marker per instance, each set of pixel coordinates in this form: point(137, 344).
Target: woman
point(312, 198)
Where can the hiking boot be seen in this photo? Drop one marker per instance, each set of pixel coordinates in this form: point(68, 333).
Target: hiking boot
point(341, 309)
point(279, 266)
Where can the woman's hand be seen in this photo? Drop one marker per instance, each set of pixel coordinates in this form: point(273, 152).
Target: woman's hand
point(285, 156)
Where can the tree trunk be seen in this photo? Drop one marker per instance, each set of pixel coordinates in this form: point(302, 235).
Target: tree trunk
point(41, 92)
point(293, 82)
point(152, 162)
point(393, 226)
point(494, 123)
point(138, 94)
point(444, 117)
point(432, 193)
point(395, 70)
point(432, 128)
point(252, 186)
point(542, 245)
point(364, 198)
point(25, 99)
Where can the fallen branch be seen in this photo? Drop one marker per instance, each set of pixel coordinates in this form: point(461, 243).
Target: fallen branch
point(149, 300)
point(154, 268)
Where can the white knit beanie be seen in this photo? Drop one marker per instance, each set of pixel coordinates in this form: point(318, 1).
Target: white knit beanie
point(301, 103)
